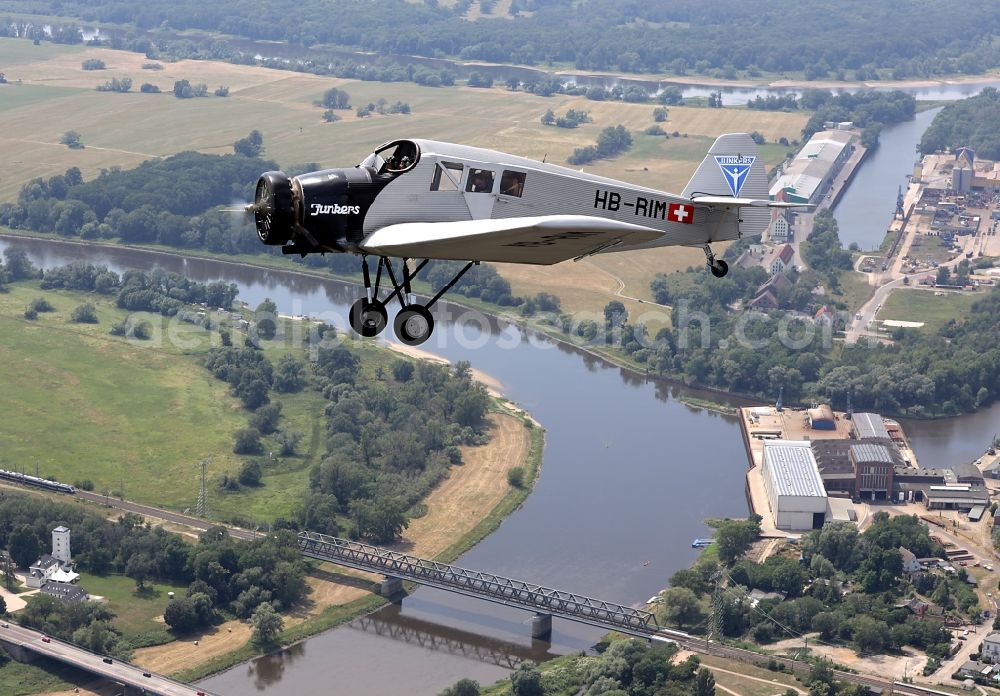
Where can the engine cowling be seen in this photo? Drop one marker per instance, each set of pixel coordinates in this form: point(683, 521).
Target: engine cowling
point(273, 208)
point(321, 211)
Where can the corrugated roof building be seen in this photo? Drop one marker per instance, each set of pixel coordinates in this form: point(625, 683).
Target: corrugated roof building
point(794, 488)
point(808, 176)
point(868, 426)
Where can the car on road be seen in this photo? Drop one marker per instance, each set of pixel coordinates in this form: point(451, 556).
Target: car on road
point(106, 660)
point(46, 639)
point(988, 567)
point(146, 674)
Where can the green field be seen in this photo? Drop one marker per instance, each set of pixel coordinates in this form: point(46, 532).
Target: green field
point(935, 310)
point(136, 612)
point(41, 677)
point(130, 413)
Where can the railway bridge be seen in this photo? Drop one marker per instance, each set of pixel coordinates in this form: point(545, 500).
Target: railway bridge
point(545, 602)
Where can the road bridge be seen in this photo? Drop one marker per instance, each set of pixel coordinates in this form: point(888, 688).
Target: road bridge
point(24, 644)
point(546, 602)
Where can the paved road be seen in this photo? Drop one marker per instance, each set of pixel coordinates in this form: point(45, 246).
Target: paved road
point(120, 672)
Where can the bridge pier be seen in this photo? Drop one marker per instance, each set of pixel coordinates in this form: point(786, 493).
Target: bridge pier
point(391, 587)
point(541, 626)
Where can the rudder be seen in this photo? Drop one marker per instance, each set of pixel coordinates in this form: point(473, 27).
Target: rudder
point(734, 168)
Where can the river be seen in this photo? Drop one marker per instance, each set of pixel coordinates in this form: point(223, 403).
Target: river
point(629, 475)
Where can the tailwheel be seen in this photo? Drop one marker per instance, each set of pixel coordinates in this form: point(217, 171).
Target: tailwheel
point(718, 267)
point(413, 325)
point(368, 317)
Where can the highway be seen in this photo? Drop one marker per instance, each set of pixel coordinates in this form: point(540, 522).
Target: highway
point(120, 672)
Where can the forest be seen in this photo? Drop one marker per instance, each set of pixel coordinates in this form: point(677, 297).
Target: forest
point(224, 578)
point(713, 344)
point(972, 122)
point(934, 37)
point(809, 595)
point(390, 434)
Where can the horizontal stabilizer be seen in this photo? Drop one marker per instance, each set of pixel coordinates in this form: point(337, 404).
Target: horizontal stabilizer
point(542, 240)
point(747, 202)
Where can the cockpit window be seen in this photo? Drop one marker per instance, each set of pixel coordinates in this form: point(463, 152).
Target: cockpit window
point(512, 183)
point(447, 175)
point(393, 158)
point(480, 181)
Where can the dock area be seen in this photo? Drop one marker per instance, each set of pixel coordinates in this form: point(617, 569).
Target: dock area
point(809, 466)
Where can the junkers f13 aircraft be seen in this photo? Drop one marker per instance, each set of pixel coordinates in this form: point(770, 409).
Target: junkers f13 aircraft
point(421, 199)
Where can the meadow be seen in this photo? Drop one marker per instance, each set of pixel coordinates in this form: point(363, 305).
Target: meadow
point(130, 416)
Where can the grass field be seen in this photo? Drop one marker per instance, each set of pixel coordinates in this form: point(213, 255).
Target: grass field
point(929, 248)
point(56, 95)
point(935, 310)
point(93, 406)
point(42, 677)
point(137, 612)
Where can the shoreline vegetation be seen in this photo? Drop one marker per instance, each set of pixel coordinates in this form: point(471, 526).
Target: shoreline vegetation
point(483, 482)
point(422, 288)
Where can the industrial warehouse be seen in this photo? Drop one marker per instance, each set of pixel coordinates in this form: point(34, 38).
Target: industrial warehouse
point(809, 466)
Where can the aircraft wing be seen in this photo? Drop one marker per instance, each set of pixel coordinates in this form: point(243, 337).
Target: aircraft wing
point(542, 240)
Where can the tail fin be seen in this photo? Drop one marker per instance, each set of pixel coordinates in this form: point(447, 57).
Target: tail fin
point(734, 169)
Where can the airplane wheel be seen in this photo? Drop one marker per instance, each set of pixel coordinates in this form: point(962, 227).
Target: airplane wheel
point(719, 268)
point(368, 318)
point(413, 325)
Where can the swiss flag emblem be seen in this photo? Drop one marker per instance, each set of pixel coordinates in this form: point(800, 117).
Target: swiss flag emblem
point(680, 212)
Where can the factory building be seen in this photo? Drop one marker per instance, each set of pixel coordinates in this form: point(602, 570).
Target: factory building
point(873, 469)
point(794, 488)
point(868, 426)
point(807, 178)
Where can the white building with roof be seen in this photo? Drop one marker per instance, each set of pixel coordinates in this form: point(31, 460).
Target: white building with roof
point(991, 647)
point(807, 177)
point(794, 488)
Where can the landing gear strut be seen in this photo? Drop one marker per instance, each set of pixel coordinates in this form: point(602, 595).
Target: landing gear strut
point(414, 323)
point(718, 267)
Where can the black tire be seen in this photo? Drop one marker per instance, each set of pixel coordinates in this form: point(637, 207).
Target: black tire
point(413, 325)
point(368, 318)
point(719, 268)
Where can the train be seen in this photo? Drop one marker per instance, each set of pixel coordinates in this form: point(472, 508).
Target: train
point(26, 480)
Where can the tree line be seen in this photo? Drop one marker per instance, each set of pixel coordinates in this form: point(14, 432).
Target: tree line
point(943, 38)
point(953, 371)
point(972, 122)
point(224, 578)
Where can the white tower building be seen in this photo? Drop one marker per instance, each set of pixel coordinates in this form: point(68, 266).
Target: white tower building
point(60, 544)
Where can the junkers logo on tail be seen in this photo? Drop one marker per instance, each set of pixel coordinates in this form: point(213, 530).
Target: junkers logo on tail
point(735, 168)
point(319, 209)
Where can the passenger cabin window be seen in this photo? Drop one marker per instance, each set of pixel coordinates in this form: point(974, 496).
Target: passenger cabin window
point(446, 176)
point(512, 183)
point(480, 181)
